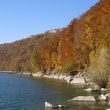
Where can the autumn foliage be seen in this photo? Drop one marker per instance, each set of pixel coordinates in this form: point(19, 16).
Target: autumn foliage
point(80, 42)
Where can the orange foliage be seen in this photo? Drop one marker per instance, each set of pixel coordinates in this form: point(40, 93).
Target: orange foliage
point(75, 43)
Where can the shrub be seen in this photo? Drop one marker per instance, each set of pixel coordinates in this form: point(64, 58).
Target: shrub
point(91, 46)
point(71, 68)
point(99, 70)
point(101, 79)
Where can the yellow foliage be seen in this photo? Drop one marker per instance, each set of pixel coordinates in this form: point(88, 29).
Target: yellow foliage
point(92, 56)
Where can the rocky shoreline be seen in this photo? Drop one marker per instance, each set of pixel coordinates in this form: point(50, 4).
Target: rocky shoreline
point(78, 79)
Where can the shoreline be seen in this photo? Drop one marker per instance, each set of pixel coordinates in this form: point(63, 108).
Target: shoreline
point(79, 79)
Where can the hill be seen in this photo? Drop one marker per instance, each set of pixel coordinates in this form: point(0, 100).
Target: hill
point(81, 43)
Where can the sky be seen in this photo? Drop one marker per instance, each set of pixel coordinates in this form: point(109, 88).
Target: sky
point(22, 18)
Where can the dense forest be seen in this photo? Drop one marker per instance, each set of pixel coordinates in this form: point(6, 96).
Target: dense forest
point(85, 42)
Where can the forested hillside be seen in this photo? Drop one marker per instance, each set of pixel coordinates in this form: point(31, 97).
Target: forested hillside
point(80, 44)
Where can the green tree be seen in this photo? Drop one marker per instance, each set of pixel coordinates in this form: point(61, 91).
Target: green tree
point(36, 61)
point(70, 68)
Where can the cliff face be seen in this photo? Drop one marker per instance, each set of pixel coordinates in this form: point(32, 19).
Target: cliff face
point(80, 42)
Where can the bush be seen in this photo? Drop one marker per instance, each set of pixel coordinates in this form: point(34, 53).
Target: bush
point(100, 69)
point(101, 79)
point(37, 62)
point(71, 68)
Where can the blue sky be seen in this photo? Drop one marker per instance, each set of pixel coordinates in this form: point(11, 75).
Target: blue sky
point(22, 18)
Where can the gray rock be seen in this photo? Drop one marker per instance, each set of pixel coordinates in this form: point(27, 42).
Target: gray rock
point(103, 89)
point(102, 97)
point(48, 105)
point(95, 88)
point(68, 79)
point(79, 80)
point(83, 98)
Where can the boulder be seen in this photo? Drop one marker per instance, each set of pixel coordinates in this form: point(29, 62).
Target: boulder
point(83, 98)
point(48, 105)
point(102, 97)
point(36, 75)
point(95, 87)
point(79, 80)
point(68, 79)
point(103, 89)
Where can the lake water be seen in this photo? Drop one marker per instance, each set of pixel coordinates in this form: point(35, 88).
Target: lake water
point(27, 93)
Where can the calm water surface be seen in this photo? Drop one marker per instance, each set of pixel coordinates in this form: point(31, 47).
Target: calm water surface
point(26, 93)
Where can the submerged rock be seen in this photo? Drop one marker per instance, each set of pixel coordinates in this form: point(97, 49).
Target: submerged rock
point(83, 98)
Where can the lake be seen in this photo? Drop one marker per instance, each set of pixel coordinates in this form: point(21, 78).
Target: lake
point(19, 92)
